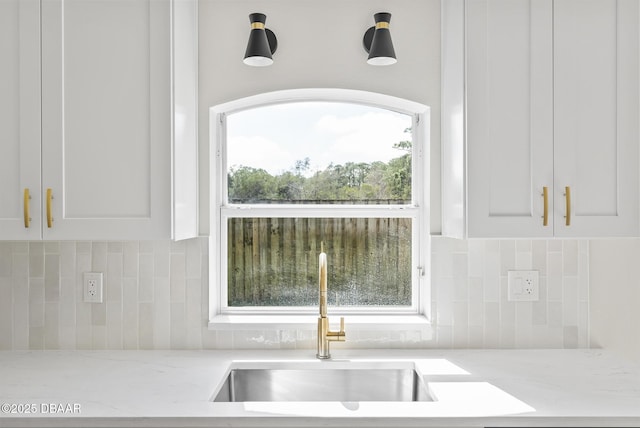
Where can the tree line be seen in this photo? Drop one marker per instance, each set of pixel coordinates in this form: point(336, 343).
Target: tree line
point(353, 181)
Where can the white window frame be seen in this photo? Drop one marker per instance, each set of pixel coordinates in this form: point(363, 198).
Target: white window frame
point(221, 317)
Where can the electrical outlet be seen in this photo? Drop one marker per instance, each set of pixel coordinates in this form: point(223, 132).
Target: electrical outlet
point(523, 285)
point(92, 287)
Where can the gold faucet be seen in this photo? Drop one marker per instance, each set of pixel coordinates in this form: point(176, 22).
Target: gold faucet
point(324, 334)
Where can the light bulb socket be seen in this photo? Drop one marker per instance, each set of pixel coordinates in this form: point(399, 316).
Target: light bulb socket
point(262, 42)
point(377, 41)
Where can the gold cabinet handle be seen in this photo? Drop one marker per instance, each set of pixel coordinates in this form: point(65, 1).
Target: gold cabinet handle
point(49, 217)
point(545, 202)
point(567, 198)
point(27, 218)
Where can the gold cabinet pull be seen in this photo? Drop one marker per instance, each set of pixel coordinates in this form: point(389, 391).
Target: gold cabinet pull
point(567, 198)
point(545, 202)
point(49, 217)
point(27, 218)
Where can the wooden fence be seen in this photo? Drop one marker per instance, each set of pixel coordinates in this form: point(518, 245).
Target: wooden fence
point(274, 261)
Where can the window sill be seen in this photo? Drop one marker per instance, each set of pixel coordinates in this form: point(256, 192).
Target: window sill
point(309, 322)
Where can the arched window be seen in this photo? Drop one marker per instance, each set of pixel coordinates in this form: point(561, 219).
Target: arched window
point(297, 172)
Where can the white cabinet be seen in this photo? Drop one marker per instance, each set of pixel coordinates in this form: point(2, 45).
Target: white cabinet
point(540, 94)
point(19, 118)
point(113, 107)
point(596, 96)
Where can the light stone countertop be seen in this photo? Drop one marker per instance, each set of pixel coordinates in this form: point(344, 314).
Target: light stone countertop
point(475, 388)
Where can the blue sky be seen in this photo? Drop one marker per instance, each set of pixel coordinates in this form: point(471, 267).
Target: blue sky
point(274, 137)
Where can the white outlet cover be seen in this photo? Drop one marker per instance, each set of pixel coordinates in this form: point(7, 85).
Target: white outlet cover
point(523, 285)
point(92, 287)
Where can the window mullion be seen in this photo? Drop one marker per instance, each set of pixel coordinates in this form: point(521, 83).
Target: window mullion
point(319, 211)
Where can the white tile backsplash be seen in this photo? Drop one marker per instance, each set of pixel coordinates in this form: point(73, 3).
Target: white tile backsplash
point(156, 297)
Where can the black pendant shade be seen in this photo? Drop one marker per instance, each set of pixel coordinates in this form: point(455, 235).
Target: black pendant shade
point(377, 41)
point(262, 42)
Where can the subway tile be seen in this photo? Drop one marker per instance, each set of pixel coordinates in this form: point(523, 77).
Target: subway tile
point(83, 325)
point(570, 337)
point(145, 289)
point(161, 264)
point(444, 337)
point(461, 325)
point(52, 277)
point(178, 247)
point(539, 313)
point(554, 245)
point(20, 266)
point(146, 247)
point(524, 260)
point(554, 314)
point(570, 301)
point(5, 260)
point(36, 248)
point(145, 266)
point(476, 337)
point(67, 259)
point(67, 303)
point(507, 256)
point(130, 259)
point(570, 257)
point(20, 327)
point(162, 314)
point(36, 265)
point(36, 303)
point(114, 247)
point(178, 336)
point(156, 297)
point(210, 339)
point(476, 258)
point(99, 337)
point(492, 325)
point(51, 247)
point(19, 247)
point(146, 315)
point(51, 325)
point(99, 256)
point(539, 256)
point(491, 279)
point(36, 338)
point(84, 336)
point(6, 314)
point(194, 338)
point(523, 246)
point(460, 276)
point(98, 314)
point(83, 247)
point(195, 315)
point(114, 324)
point(67, 337)
point(130, 313)
point(221, 339)
point(177, 278)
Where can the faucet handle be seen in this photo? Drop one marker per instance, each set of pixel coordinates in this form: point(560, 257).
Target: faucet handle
point(341, 324)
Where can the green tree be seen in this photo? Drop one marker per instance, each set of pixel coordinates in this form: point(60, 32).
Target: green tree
point(251, 184)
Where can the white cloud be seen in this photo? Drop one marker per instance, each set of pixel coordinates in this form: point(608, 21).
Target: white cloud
point(363, 138)
point(258, 152)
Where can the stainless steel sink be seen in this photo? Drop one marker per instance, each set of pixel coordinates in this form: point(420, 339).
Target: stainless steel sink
point(323, 384)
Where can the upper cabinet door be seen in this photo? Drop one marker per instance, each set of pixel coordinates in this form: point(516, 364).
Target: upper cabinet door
point(509, 119)
point(20, 119)
point(596, 117)
point(106, 127)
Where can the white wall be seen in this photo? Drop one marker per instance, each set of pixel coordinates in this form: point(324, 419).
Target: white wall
point(615, 295)
point(319, 45)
